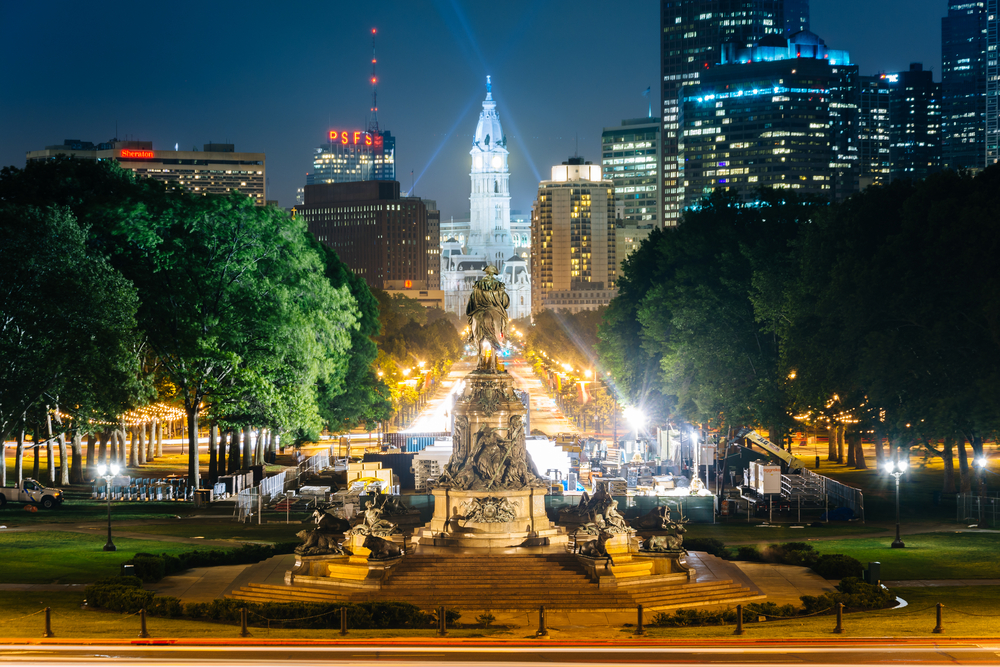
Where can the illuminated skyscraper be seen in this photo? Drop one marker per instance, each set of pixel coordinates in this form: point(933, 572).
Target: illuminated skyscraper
point(781, 113)
point(915, 124)
point(354, 155)
point(573, 239)
point(873, 130)
point(693, 32)
point(630, 159)
point(992, 82)
point(963, 85)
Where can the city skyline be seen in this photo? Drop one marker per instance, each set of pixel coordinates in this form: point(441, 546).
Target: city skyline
point(562, 72)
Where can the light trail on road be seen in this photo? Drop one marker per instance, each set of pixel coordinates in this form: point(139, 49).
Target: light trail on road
point(523, 655)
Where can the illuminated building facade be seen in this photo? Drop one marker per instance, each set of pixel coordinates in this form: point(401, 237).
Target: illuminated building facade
point(573, 239)
point(915, 124)
point(691, 39)
point(630, 158)
point(354, 155)
point(781, 113)
point(217, 169)
point(963, 85)
point(381, 236)
point(488, 239)
point(873, 130)
point(992, 82)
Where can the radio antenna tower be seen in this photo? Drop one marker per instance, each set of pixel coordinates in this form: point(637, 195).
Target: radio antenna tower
point(373, 120)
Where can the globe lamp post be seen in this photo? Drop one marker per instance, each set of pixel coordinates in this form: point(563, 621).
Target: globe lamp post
point(108, 473)
point(896, 469)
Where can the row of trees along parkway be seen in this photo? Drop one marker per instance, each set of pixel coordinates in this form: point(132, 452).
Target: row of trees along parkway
point(123, 296)
point(878, 316)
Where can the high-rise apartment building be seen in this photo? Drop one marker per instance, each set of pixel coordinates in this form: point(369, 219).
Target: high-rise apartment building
point(963, 85)
point(873, 130)
point(914, 124)
point(381, 236)
point(780, 113)
point(630, 158)
point(216, 169)
point(573, 263)
point(354, 155)
point(693, 32)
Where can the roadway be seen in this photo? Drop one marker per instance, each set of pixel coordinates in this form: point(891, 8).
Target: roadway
point(545, 415)
point(524, 653)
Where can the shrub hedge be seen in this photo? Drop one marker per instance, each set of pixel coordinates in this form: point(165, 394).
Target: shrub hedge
point(708, 545)
point(855, 595)
point(125, 595)
point(151, 568)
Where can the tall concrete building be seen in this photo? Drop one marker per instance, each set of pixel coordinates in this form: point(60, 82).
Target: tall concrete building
point(691, 39)
point(780, 113)
point(381, 236)
point(573, 264)
point(630, 158)
point(914, 124)
point(490, 239)
point(873, 130)
point(963, 85)
point(216, 169)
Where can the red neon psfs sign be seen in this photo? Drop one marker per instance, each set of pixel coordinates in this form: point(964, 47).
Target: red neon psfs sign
point(355, 138)
point(126, 152)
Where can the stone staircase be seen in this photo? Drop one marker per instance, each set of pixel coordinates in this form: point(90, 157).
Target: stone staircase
point(511, 582)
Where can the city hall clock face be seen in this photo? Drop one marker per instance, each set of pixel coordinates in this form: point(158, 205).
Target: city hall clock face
point(478, 161)
point(497, 161)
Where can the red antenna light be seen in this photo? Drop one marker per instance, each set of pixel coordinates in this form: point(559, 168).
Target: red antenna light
point(373, 121)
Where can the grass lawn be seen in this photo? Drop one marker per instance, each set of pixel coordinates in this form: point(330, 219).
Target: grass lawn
point(735, 532)
point(47, 557)
point(79, 507)
point(226, 530)
point(970, 611)
point(926, 556)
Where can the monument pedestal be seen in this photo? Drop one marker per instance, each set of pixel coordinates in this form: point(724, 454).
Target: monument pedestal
point(489, 519)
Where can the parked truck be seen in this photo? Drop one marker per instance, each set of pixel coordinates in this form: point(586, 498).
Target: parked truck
point(30, 491)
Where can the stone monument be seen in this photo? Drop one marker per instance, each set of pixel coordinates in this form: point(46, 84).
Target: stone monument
point(490, 494)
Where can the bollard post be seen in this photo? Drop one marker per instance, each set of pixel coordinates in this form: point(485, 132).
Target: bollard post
point(840, 619)
point(639, 630)
point(739, 620)
point(343, 620)
point(142, 624)
point(243, 623)
point(48, 623)
point(542, 632)
point(939, 628)
point(442, 623)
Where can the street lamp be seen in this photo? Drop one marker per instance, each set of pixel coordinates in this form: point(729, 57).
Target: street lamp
point(896, 469)
point(981, 464)
point(108, 473)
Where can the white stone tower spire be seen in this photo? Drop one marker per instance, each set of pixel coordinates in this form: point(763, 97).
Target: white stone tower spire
point(489, 225)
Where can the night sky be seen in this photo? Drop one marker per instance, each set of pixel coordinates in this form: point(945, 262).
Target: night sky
point(274, 77)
